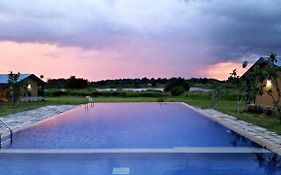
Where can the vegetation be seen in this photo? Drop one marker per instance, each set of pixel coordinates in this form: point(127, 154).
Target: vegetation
point(70, 83)
point(93, 92)
point(216, 94)
point(176, 91)
point(125, 83)
point(13, 85)
point(130, 83)
point(240, 89)
point(177, 86)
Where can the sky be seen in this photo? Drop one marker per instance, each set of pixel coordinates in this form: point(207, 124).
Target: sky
point(111, 39)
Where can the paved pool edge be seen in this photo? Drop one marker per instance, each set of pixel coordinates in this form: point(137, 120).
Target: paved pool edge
point(23, 120)
point(262, 136)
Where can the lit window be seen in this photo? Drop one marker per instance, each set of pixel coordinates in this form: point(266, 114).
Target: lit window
point(29, 87)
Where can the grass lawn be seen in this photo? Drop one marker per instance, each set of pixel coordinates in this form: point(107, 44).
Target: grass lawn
point(225, 106)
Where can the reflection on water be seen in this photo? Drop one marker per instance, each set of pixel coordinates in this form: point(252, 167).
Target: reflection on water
point(238, 140)
point(271, 163)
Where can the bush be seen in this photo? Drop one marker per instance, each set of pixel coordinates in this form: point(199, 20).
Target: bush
point(176, 91)
point(175, 83)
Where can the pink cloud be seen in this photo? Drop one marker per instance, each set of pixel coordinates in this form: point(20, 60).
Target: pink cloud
point(222, 70)
point(54, 62)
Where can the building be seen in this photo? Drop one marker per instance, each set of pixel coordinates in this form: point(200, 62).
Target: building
point(31, 88)
point(265, 99)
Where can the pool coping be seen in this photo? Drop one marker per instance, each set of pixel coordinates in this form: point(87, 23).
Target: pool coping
point(261, 136)
point(175, 150)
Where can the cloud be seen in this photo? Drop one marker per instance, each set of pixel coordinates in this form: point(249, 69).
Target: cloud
point(243, 28)
point(88, 24)
point(178, 33)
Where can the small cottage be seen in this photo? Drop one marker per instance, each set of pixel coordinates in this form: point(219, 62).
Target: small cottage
point(265, 99)
point(30, 88)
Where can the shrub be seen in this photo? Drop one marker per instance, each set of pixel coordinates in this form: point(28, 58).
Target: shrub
point(177, 82)
point(176, 91)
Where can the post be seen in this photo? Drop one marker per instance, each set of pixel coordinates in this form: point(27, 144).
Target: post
point(0, 140)
point(11, 136)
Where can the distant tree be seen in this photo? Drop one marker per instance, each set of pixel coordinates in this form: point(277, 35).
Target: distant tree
point(56, 83)
point(144, 80)
point(153, 82)
point(14, 85)
point(76, 83)
point(178, 90)
point(177, 86)
point(128, 83)
point(175, 82)
point(70, 83)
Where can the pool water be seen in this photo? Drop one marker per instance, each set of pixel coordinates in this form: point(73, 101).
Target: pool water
point(71, 144)
point(129, 125)
point(137, 164)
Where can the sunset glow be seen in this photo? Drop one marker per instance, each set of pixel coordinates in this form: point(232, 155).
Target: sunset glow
point(221, 71)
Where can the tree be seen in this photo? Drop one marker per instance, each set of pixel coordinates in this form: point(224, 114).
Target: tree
point(178, 90)
point(239, 87)
point(218, 91)
point(76, 83)
point(13, 85)
point(176, 82)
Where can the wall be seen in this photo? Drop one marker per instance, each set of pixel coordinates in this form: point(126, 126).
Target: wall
point(4, 93)
point(265, 99)
point(34, 87)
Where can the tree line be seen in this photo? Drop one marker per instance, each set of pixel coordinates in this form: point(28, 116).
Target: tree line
point(78, 83)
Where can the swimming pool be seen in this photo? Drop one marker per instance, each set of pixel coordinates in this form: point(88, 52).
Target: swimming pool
point(129, 125)
point(134, 138)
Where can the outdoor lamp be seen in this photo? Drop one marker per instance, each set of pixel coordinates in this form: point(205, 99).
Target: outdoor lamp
point(268, 84)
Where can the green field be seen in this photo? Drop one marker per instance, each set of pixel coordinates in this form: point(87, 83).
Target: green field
point(199, 100)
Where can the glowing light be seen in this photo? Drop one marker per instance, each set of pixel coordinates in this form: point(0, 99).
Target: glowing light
point(268, 84)
point(29, 87)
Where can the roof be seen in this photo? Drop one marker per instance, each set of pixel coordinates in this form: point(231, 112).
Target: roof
point(266, 58)
point(261, 60)
point(5, 77)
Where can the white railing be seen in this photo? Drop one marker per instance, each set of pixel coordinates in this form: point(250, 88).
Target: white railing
point(89, 100)
point(10, 140)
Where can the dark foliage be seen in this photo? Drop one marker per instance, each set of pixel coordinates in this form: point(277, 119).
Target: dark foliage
point(94, 93)
point(204, 81)
point(177, 82)
point(70, 83)
point(76, 83)
point(129, 83)
point(178, 90)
